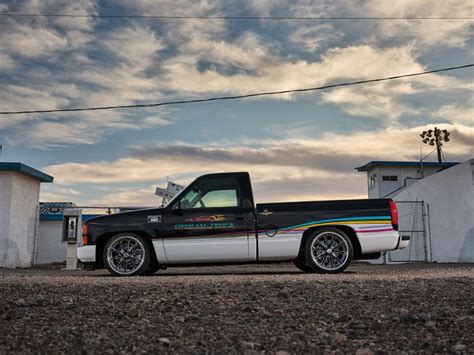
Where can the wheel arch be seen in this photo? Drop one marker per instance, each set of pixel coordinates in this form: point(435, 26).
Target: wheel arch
point(104, 237)
point(343, 228)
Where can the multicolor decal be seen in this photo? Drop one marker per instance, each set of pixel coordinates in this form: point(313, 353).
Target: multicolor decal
point(216, 218)
point(349, 220)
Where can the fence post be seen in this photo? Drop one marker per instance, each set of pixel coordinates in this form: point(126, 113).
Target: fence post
point(428, 233)
point(35, 239)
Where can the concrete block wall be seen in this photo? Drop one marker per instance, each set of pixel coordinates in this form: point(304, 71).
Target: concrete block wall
point(19, 196)
point(450, 197)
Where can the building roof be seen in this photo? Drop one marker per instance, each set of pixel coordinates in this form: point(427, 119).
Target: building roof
point(27, 170)
point(375, 163)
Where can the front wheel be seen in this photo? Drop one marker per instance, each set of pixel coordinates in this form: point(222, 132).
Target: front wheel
point(329, 251)
point(127, 254)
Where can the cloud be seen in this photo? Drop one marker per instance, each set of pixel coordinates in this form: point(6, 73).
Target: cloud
point(6, 62)
point(293, 158)
point(134, 45)
point(142, 197)
point(32, 42)
point(54, 193)
point(424, 34)
point(462, 113)
point(157, 121)
point(288, 169)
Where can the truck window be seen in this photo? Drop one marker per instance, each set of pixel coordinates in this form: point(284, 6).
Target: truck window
point(212, 192)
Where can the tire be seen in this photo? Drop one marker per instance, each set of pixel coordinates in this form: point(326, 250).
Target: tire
point(301, 264)
point(127, 254)
point(323, 256)
point(152, 269)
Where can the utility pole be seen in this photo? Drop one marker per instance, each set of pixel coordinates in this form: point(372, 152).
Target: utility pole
point(436, 137)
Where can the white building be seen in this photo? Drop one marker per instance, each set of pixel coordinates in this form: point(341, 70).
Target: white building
point(446, 194)
point(386, 178)
point(19, 197)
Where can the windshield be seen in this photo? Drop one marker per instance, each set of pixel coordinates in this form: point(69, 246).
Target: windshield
point(175, 196)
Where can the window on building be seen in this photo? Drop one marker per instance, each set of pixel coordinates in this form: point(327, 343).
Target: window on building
point(389, 178)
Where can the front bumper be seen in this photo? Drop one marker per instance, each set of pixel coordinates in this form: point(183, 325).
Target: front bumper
point(86, 254)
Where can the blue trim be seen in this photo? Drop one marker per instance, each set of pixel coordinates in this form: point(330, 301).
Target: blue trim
point(27, 170)
point(341, 220)
point(59, 217)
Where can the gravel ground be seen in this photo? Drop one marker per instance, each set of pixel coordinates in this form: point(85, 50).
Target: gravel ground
point(248, 309)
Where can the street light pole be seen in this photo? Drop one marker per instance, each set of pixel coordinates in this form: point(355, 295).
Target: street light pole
point(436, 137)
point(437, 133)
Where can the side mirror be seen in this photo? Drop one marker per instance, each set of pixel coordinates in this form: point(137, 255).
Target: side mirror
point(176, 209)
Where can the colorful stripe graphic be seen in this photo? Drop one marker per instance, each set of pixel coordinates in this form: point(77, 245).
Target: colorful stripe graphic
point(348, 220)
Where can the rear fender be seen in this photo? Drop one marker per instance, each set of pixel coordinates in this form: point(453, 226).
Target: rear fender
point(346, 229)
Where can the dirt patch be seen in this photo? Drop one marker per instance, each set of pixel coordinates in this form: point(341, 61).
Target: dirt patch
point(245, 309)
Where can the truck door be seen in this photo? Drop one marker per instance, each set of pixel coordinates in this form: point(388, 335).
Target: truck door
point(208, 223)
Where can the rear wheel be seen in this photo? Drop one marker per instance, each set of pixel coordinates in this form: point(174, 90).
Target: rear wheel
point(301, 264)
point(328, 250)
point(127, 254)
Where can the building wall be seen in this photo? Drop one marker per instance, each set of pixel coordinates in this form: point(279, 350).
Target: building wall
point(5, 209)
point(406, 176)
point(19, 195)
point(450, 197)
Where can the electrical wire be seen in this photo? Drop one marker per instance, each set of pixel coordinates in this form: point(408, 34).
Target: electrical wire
point(221, 98)
point(237, 18)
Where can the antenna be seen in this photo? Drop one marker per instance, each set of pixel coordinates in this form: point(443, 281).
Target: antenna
point(1, 151)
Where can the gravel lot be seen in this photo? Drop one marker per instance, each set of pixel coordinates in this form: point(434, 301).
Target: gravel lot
point(240, 309)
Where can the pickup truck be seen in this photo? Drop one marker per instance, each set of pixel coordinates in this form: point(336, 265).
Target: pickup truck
point(214, 221)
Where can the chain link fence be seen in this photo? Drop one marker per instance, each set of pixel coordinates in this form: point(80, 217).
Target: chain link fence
point(411, 222)
point(49, 247)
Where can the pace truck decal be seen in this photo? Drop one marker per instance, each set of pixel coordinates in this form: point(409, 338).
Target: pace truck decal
point(204, 226)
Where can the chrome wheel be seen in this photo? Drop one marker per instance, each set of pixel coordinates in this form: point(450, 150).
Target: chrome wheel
point(125, 255)
point(329, 251)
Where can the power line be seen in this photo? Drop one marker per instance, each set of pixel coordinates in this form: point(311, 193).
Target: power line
point(235, 18)
point(352, 83)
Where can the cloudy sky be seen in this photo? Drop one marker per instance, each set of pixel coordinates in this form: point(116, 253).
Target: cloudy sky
point(296, 147)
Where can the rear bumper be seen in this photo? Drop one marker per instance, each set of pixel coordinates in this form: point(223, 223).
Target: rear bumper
point(86, 254)
point(403, 241)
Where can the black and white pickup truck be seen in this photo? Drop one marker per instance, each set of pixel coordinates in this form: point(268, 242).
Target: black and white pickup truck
point(214, 220)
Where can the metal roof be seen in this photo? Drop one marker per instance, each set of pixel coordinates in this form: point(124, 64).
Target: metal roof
point(374, 163)
point(27, 170)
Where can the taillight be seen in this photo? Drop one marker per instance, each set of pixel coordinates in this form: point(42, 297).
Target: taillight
point(85, 241)
point(394, 214)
